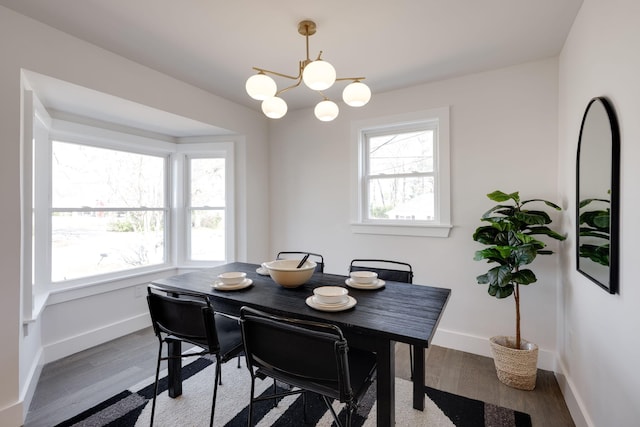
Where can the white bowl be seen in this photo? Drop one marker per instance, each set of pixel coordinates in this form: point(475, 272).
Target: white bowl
point(331, 295)
point(232, 277)
point(285, 273)
point(364, 277)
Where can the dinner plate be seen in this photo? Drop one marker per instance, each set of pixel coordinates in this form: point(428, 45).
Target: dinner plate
point(222, 287)
point(379, 283)
point(311, 302)
point(262, 271)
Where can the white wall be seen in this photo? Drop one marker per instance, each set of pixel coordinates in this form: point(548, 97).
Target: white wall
point(503, 136)
point(26, 44)
point(599, 345)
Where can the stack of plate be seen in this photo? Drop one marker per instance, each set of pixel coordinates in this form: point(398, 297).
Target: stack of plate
point(232, 281)
point(331, 298)
point(364, 280)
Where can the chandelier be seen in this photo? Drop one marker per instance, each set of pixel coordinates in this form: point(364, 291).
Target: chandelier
point(316, 74)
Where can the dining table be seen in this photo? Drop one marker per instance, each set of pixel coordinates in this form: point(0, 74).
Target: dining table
point(381, 317)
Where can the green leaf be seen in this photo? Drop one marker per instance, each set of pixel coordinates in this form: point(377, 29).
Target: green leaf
point(546, 202)
point(524, 277)
point(491, 255)
point(524, 254)
point(486, 235)
point(547, 232)
point(499, 276)
point(588, 232)
point(533, 217)
point(498, 292)
point(598, 254)
point(585, 202)
point(499, 196)
point(504, 210)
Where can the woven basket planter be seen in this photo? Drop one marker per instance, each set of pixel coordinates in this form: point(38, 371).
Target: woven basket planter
point(515, 368)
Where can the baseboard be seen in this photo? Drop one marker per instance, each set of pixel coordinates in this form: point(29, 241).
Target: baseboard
point(547, 360)
point(11, 416)
point(480, 345)
point(572, 398)
point(31, 383)
point(74, 344)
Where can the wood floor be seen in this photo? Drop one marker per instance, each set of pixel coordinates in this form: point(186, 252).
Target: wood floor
point(78, 382)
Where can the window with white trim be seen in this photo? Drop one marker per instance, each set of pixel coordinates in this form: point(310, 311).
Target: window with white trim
point(402, 179)
point(110, 204)
point(206, 208)
point(109, 210)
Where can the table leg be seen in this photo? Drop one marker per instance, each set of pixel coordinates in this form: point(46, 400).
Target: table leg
point(418, 377)
point(174, 368)
point(385, 383)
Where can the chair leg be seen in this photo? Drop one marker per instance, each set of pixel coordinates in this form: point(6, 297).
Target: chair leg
point(253, 385)
point(350, 410)
point(304, 406)
point(333, 412)
point(215, 390)
point(275, 400)
point(155, 386)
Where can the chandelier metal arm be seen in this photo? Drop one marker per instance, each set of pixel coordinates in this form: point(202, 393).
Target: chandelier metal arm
point(355, 79)
point(275, 73)
point(317, 74)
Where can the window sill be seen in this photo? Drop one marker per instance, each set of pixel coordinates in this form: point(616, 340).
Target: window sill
point(439, 230)
point(39, 303)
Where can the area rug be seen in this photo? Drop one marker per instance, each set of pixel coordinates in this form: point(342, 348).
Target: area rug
point(133, 407)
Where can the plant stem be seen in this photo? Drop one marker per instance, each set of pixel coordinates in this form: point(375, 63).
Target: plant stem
point(516, 297)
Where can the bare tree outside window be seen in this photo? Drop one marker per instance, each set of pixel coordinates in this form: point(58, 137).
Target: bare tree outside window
point(400, 176)
point(108, 210)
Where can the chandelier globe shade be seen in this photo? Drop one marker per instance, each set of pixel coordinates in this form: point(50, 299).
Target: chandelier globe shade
point(260, 87)
point(326, 110)
point(319, 75)
point(316, 74)
point(274, 107)
point(356, 94)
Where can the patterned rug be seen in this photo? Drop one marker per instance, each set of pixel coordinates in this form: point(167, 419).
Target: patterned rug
point(133, 407)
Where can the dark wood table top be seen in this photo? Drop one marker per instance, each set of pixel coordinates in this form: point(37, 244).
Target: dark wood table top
point(399, 312)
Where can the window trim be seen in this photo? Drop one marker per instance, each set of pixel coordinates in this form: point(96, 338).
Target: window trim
point(73, 132)
point(441, 226)
point(206, 148)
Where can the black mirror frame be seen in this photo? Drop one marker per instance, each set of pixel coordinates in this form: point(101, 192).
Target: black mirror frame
point(614, 224)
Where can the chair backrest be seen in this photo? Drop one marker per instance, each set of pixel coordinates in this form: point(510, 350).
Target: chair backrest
point(395, 271)
point(319, 259)
point(305, 354)
point(190, 318)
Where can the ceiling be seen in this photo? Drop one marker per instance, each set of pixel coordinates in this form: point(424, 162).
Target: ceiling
point(214, 44)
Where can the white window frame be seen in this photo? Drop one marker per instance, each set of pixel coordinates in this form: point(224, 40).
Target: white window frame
point(175, 154)
point(208, 147)
point(441, 225)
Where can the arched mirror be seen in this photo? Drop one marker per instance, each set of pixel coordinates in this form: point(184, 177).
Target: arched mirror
point(597, 178)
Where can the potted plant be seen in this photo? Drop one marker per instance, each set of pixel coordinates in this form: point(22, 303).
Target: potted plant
point(512, 239)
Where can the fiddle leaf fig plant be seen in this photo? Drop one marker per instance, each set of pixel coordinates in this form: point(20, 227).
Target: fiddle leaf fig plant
point(512, 237)
point(595, 224)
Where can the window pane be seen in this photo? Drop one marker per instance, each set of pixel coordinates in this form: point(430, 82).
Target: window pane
point(97, 242)
point(402, 199)
point(401, 153)
point(207, 235)
point(85, 176)
point(207, 182)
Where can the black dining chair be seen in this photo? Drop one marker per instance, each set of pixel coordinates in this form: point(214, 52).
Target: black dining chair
point(395, 271)
point(188, 317)
point(319, 259)
point(310, 356)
